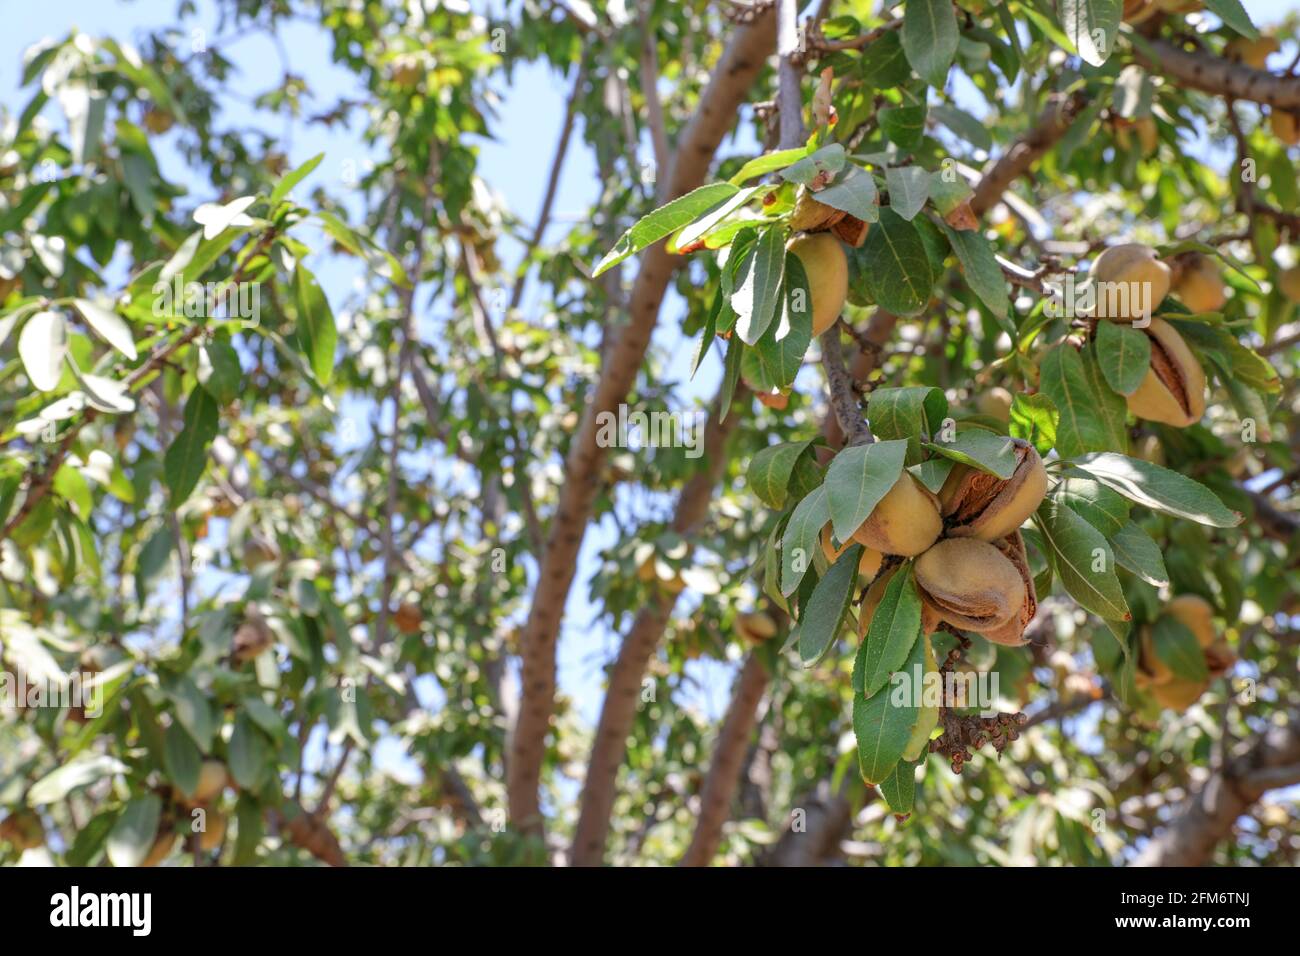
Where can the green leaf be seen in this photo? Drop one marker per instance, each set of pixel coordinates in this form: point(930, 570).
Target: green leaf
point(904, 126)
point(1159, 488)
point(820, 165)
point(42, 345)
point(1175, 644)
point(695, 230)
point(134, 832)
point(181, 759)
point(291, 179)
point(730, 374)
point(858, 477)
point(108, 325)
point(964, 125)
point(800, 541)
point(73, 775)
point(1235, 16)
point(980, 266)
point(906, 413)
point(909, 188)
point(317, 333)
point(1091, 26)
point(821, 619)
point(768, 163)
point(192, 711)
point(187, 457)
point(219, 372)
point(896, 269)
point(664, 221)
point(899, 788)
point(758, 294)
point(1083, 561)
point(1034, 418)
point(895, 627)
point(1098, 505)
point(985, 450)
point(777, 356)
point(1091, 418)
point(930, 38)
point(89, 840)
point(884, 64)
point(855, 193)
point(1124, 354)
point(1135, 551)
point(770, 470)
point(249, 754)
point(883, 723)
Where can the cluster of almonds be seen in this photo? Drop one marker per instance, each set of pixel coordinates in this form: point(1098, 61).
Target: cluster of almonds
point(1154, 676)
point(971, 568)
point(1173, 391)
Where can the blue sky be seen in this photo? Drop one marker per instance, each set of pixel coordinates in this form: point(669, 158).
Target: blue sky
point(515, 165)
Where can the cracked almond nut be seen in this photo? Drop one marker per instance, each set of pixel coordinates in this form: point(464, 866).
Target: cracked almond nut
point(827, 268)
point(970, 584)
point(1130, 282)
point(810, 215)
point(979, 505)
point(1173, 391)
point(1012, 634)
point(906, 521)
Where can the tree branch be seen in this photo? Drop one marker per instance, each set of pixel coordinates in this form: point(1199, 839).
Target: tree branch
point(1208, 816)
point(1222, 77)
point(740, 64)
point(1016, 161)
point(728, 757)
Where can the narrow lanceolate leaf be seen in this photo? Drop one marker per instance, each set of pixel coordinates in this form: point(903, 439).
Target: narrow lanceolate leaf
point(701, 226)
point(188, 455)
point(899, 788)
point(108, 325)
point(1177, 647)
point(857, 479)
point(1159, 488)
point(896, 268)
point(821, 619)
point(1083, 561)
point(1091, 25)
point(664, 221)
point(895, 627)
point(855, 193)
point(964, 125)
point(317, 333)
point(930, 38)
point(769, 163)
point(1103, 508)
point(987, 451)
point(757, 295)
point(979, 264)
point(909, 188)
point(1087, 416)
point(1124, 354)
point(730, 375)
point(294, 177)
point(775, 359)
point(1135, 551)
point(42, 345)
point(883, 723)
point(800, 538)
point(1034, 418)
point(906, 413)
point(770, 470)
point(1234, 15)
